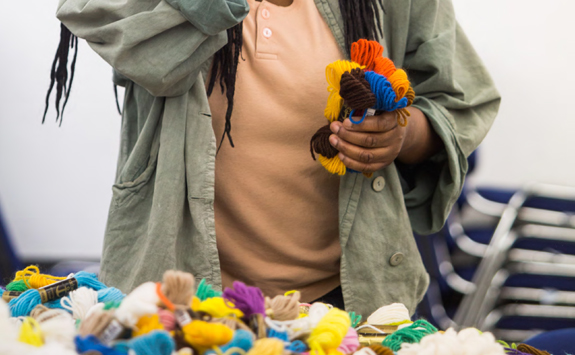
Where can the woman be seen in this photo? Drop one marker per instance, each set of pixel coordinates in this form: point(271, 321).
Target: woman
point(281, 221)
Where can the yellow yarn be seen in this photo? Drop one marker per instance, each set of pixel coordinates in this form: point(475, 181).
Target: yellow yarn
point(147, 324)
point(30, 332)
point(34, 279)
point(267, 346)
point(333, 73)
point(195, 304)
point(329, 333)
point(333, 165)
point(399, 83)
point(205, 335)
point(217, 307)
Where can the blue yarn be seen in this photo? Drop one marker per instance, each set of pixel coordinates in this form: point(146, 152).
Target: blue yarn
point(283, 336)
point(242, 339)
point(384, 94)
point(110, 294)
point(158, 342)
point(25, 303)
point(92, 343)
point(297, 346)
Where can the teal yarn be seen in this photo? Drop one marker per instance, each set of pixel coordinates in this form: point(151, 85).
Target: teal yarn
point(242, 339)
point(158, 342)
point(25, 303)
point(355, 319)
point(206, 291)
point(110, 294)
point(409, 334)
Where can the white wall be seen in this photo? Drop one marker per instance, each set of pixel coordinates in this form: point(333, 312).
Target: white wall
point(55, 181)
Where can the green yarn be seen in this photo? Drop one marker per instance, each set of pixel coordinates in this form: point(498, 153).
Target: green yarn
point(111, 305)
point(206, 291)
point(18, 286)
point(409, 334)
point(355, 319)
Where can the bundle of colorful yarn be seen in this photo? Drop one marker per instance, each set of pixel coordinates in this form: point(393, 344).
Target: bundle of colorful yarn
point(369, 84)
point(77, 314)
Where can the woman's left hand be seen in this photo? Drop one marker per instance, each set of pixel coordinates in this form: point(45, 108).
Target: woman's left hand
point(379, 140)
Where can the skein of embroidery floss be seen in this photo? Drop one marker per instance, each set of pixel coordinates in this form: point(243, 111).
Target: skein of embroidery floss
point(329, 333)
point(57, 326)
point(141, 301)
point(25, 303)
point(283, 307)
point(178, 287)
point(267, 346)
point(242, 340)
point(79, 302)
point(248, 299)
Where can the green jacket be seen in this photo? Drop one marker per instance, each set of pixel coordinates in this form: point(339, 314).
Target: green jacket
point(162, 213)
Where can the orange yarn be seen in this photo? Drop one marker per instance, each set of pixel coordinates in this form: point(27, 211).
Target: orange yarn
point(366, 52)
point(163, 298)
point(399, 83)
point(384, 66)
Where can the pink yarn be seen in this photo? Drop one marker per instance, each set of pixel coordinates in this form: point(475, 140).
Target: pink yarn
point(350, 342)
point(167, 319)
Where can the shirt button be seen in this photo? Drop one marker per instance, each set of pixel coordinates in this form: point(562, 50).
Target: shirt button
point(396, 259)
point(266, 13)
point(378, 183)
point(267, 32)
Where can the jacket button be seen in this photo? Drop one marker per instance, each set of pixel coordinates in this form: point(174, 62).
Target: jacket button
point(396, 259)
point(378, 183)
point(267, 32)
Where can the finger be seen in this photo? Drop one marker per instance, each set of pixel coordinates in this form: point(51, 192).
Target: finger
point(364, 155)
point(367, 139)
point(359, 166)
point(380, 123)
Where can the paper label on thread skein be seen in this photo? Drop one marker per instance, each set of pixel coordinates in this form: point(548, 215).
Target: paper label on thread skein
point(57, 290)
point(182, 317)
point(112, 332)
point(7, 296)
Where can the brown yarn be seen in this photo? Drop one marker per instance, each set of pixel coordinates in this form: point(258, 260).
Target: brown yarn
point(410, 95)
point(528, 349)
point(381, 350)
point(356, 91)
point(232, 323)
point(178, 287)
point(96, 323)
point(283, 307)
point(38, 310)
point(321, 145)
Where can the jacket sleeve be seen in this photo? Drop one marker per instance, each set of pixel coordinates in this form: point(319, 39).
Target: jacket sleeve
point(157, 44)
point(455, 92)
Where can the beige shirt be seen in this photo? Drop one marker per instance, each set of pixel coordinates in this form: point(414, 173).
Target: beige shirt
point(276, 209)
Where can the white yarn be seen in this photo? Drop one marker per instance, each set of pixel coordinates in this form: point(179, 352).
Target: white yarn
point(8, 328)
point(143, 300)
point(467, 342)
point(302, 326)
point(95, 309)
point(80, 301)
point(58, 327)
point(390, 314)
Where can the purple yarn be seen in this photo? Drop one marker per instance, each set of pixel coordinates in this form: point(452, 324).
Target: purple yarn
point(510, 351)
point(248, 299)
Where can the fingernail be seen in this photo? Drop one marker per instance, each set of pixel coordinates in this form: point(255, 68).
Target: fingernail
point(335, 127)
point(333, 140)
point(341, 156)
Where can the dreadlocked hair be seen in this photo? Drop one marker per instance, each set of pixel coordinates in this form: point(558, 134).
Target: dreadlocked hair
point(59, 72)
point(361, 20)
point(225, 68)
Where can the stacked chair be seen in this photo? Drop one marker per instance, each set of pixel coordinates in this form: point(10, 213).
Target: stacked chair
point(504, 262)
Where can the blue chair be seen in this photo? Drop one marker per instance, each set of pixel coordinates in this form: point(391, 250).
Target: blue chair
point(556, 342)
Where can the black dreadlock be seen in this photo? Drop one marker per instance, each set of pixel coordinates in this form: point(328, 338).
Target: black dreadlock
point(360, 17)
point(59, 72)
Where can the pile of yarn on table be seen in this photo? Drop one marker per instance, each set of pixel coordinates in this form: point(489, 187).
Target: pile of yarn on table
point(369, 84)
point(46, 315)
